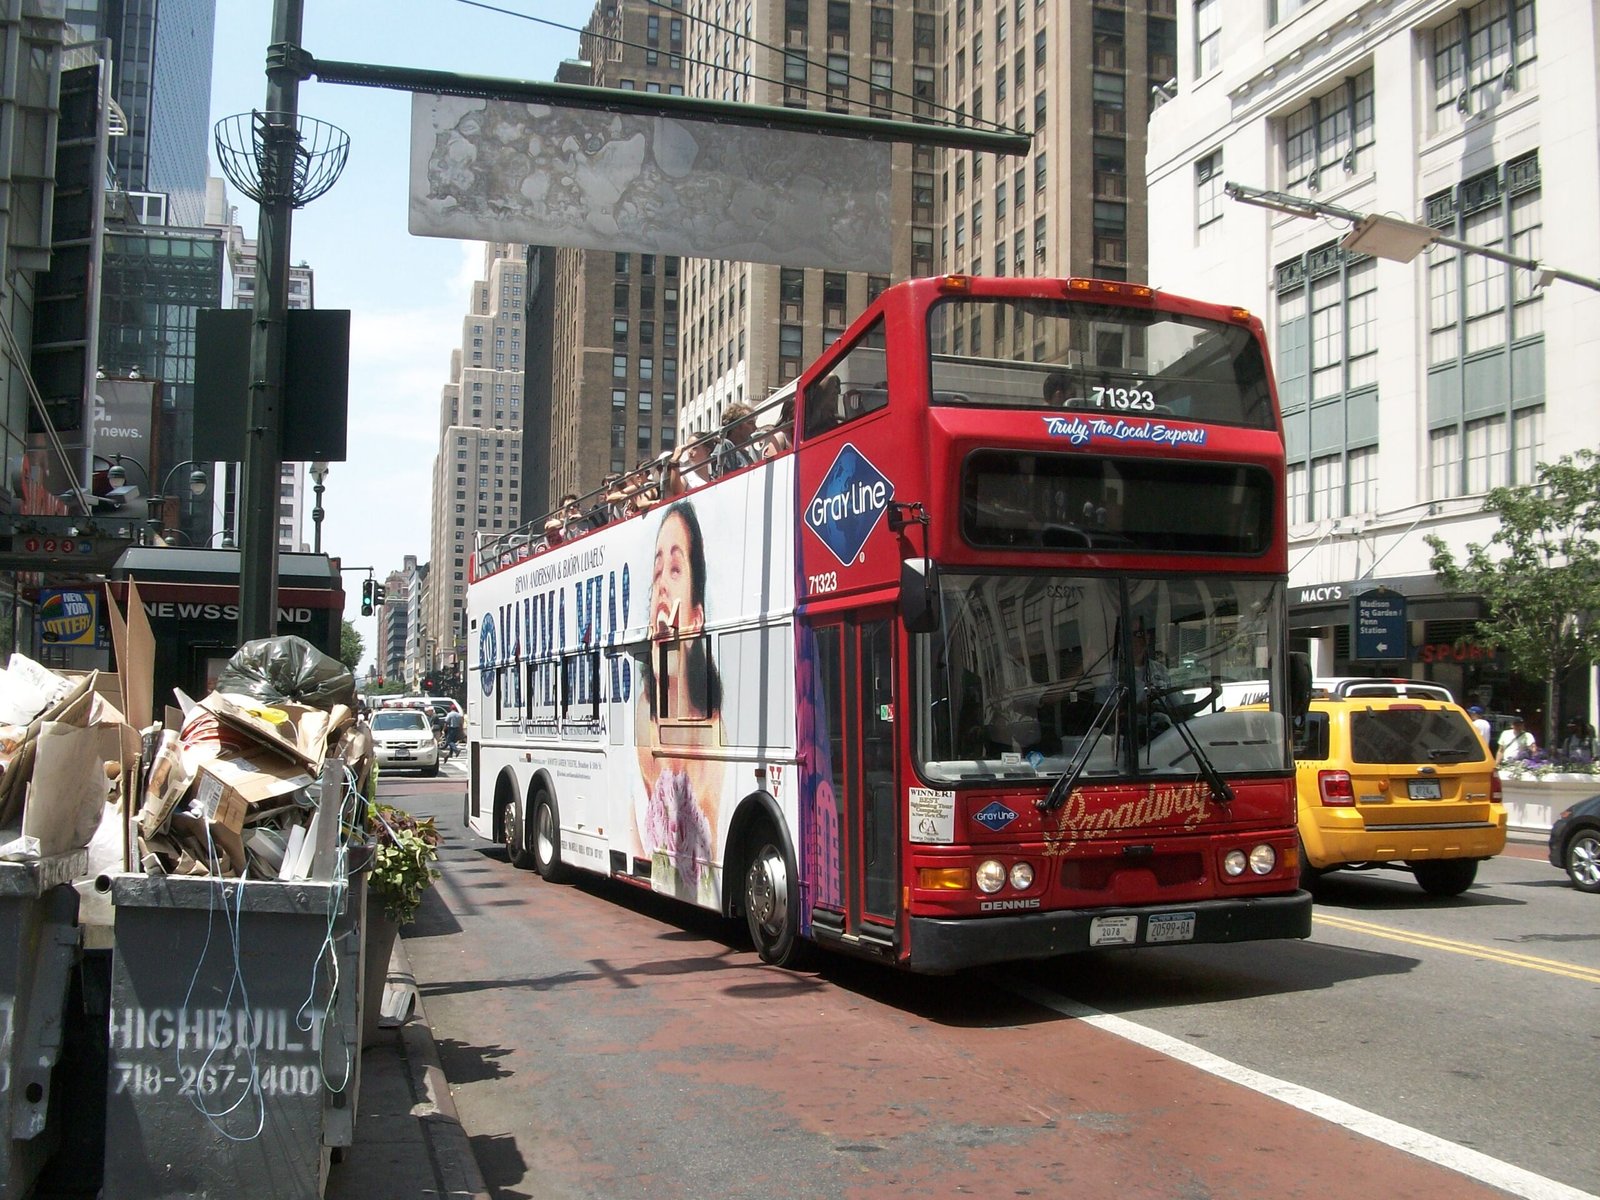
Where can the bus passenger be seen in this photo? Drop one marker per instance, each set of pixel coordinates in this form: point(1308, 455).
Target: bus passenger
point(735, 449)
point(778, 438)
point(1057, 392)
point(693, 459)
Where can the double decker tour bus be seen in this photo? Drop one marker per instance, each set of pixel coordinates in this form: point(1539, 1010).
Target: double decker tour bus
point(942, 678)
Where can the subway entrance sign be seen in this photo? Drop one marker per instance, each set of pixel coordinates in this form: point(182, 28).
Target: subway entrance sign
point(1378, 626)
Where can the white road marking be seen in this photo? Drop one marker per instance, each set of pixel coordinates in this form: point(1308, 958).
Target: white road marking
point(1425, 1146)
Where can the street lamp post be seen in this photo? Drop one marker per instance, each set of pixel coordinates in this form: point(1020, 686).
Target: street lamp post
point(117, 476)
point(319, 472)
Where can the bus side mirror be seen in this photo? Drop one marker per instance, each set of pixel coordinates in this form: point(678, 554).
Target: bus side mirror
point(1299, 685)
point(919, 595)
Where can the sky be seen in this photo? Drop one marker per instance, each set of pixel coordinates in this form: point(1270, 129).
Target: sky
point(407, 295)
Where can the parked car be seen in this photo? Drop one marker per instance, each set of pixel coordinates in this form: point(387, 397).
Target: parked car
point(1575, 844)
point(1399, 781)
point(403, 737)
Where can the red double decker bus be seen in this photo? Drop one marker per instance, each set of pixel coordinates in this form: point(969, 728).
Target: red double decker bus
point(951, 672)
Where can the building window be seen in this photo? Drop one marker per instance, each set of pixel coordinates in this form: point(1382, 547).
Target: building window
point(1327, 380)
point(1480, 55)
point(1208, 189)
point(1207, 36)
point(1329, 137)
point(1485, 334)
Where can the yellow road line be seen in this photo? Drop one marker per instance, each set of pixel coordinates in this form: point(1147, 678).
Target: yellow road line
point(1472, 949)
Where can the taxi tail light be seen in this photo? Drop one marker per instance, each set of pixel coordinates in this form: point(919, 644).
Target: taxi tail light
point(1496, 792)
point(1336, 789)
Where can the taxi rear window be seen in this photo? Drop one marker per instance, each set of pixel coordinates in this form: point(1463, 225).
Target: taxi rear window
point(1406, 735)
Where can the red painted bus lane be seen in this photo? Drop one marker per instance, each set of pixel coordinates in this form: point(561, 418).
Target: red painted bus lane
point(636, 1056)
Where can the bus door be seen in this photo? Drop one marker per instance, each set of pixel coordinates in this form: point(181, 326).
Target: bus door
point(856, 673)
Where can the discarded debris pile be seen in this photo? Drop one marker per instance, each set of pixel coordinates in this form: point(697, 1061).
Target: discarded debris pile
point(234, 790)
point(229, 785)
point(64, 751)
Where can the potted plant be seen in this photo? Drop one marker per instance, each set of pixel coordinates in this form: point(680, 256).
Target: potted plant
point(404, 848)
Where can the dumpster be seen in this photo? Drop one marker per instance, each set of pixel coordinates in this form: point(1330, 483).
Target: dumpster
point(38, 902)
point(226, 1036)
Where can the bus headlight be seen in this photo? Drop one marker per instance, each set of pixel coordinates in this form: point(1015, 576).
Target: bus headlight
point(1022, 876)
point(1263, 859)
point(991, 876)
point(1234, 863)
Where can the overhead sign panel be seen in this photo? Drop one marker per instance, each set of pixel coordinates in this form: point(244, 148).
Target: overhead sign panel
point(504, 171)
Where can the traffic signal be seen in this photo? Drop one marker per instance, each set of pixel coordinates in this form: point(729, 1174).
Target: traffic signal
point(427, 686)
point(379, 594)
point(367, 589)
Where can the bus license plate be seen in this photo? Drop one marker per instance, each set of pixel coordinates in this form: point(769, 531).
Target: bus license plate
point(1170, 927)
point(1114, 931)
point(1423, 789)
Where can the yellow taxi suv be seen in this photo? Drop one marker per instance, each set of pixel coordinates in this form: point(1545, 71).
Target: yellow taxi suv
point(1399, 781)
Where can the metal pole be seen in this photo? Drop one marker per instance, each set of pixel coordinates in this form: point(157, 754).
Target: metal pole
point(258, 526)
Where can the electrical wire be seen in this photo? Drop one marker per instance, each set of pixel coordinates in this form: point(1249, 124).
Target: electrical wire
point(716, 27)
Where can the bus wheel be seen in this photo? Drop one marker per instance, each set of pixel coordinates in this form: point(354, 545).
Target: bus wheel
point(511, 833)
point(771, 906)
point(547, 840)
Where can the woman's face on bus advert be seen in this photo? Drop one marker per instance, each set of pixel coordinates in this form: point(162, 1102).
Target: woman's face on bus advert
point(672, 606)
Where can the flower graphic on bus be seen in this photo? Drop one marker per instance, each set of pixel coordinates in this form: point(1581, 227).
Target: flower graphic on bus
point(679, 833)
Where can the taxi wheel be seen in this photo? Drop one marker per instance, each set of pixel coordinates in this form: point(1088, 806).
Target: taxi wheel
point(1445, 877)
point(1309, 874)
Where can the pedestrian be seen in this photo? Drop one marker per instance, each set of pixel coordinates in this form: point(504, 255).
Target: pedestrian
point(1516, 742)
point(452, 732)
point(1480, 722)
point(1578, 745)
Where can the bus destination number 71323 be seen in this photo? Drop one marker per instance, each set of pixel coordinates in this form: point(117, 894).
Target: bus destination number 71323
point(828, 581)
point(1124, 399)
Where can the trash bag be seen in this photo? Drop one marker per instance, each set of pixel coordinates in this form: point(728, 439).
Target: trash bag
point(288, 668)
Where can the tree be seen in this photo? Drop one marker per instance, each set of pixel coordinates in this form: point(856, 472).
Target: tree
point(1539, 575)
point(351, 645)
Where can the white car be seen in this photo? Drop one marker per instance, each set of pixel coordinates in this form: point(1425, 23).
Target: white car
point(403, 737)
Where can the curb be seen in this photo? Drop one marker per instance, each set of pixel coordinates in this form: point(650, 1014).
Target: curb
point(449, 1150)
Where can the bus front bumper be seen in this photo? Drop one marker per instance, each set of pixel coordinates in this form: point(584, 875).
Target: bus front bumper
point(942, 944)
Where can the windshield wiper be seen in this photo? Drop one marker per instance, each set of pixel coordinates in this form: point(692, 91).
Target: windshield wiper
point(1062, 788)
point(1221, 791)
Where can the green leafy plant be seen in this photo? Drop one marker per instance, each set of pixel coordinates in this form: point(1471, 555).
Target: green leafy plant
point(402, 869)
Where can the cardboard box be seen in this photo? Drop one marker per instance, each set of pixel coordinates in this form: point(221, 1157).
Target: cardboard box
point(229, 786)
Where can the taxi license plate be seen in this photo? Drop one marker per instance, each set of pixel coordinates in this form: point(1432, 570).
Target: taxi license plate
point(1170, 927)
point(1114, 931)
point(1423, 789)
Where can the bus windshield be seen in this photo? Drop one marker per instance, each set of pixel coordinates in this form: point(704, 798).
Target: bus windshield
point(1096, 359)
point(1025, 670)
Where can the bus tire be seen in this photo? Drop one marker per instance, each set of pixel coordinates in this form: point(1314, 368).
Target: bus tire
point(512, 834)
point(771, 899)
point(546, 845)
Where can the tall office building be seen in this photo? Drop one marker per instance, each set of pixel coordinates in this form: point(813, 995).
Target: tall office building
point(1082, 77)
point(477, 473)
point(749, 328)
point(161, 80)
point(393, 621)
point(1409, 388)
point(613, 316)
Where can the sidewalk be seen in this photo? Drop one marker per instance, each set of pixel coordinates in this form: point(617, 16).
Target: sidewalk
point(409, 1141)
